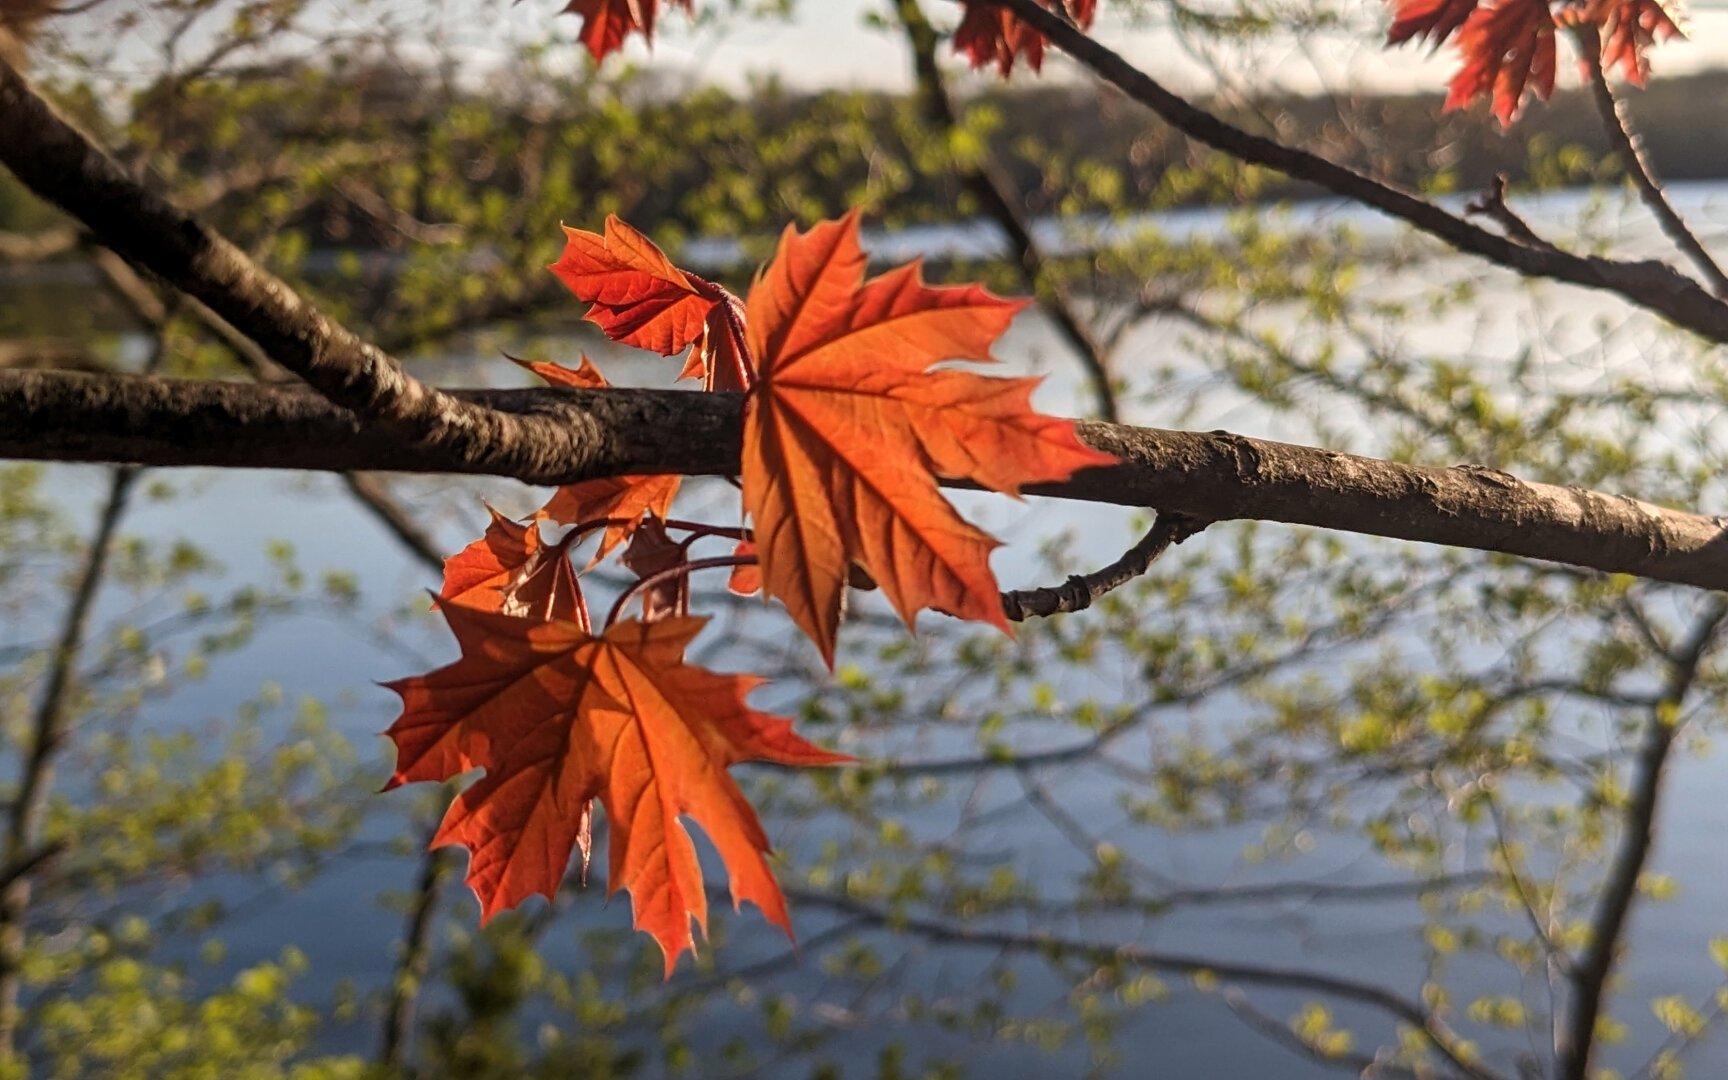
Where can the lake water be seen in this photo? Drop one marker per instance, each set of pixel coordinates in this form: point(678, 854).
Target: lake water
point(997, 819)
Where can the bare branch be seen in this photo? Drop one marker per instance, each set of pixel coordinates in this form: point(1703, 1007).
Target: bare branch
point(1630, 149)
point(1080, 590)
point(436, 866)
point(1652, 285)
point(1412, 1012)
point(28, 809)
point(1356, 1064)
point(1492, 205)
point(177, 423)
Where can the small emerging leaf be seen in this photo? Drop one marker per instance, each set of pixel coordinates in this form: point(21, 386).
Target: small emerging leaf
point(511, 570)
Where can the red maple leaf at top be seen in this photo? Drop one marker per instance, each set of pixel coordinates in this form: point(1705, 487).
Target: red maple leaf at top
point(606, 23)
point(1508, 51)
point(1508, 45)
point(1629, 28)
point(989, 34)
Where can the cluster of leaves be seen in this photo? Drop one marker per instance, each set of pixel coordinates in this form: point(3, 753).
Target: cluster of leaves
point(848, 426)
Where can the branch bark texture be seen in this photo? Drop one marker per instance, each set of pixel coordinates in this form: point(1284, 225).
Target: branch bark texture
point(1209, 476)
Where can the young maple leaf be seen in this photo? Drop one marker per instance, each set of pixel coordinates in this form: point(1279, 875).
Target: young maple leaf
point(1629, 29)
point(1508, 49)
point(584, 376)
point(639, 298)
point(606, 23)
point(746, 580)
point(989, 34)
point(558, 718)
point(848, 428)
point(626, 498)
point(652, 552)
point(511, 570)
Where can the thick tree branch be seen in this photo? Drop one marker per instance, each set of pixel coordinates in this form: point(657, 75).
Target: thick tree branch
point(1210, 476)
point(62, 166)
point(1649, 284)
point(180, 423)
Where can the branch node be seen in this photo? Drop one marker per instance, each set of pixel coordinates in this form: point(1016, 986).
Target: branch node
point(1491, 204)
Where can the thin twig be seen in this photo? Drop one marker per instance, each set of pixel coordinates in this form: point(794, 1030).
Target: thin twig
point(1629, 146)
point(1437, 1032)
point(1080, 591)
point(1492, 204)
point(48, 732)
point(1556, 955)
point(1577, 1037)
point(436, 866)
point(1361, 1065)
point(31, 863)
point(371, 493)
point(995, 191)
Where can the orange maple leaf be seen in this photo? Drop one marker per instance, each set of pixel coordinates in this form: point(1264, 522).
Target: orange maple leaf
point(639, 298)
point(848, 428)
point(606, 23)
point(1508, 49)
point(511, 570)
point(626, 498)
point(989, 34)
point(558, 718)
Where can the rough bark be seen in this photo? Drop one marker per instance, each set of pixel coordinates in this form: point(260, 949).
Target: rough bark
point(1209, 476)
